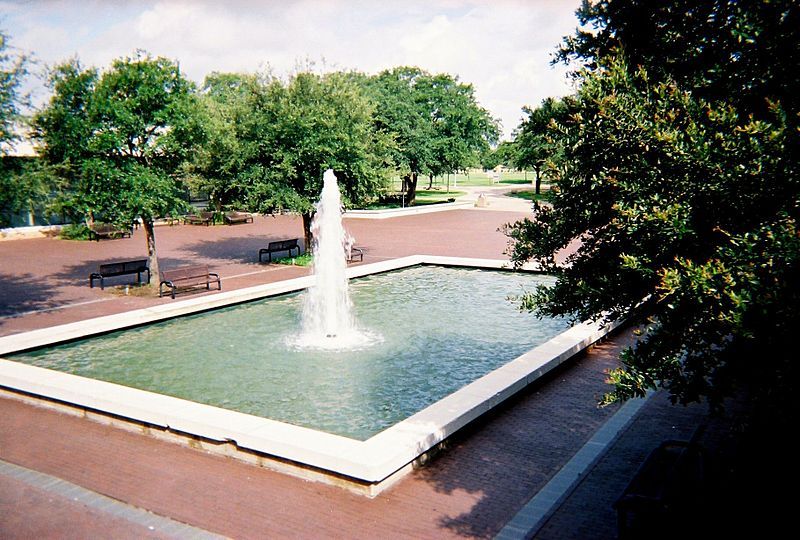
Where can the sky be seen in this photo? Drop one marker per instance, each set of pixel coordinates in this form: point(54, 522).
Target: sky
point(502, 47)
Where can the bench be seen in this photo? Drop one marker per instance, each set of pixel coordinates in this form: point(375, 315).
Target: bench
point(107, 230)
point(664, 489)
point(202, 218)
point(238, 217)
point(187, 278)
point(120, 268)
point(279, 247)
point(355, 253)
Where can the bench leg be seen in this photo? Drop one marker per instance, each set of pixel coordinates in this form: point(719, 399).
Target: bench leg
point(94, 277)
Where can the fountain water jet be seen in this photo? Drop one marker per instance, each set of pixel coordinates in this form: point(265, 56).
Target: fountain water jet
point(328, 322)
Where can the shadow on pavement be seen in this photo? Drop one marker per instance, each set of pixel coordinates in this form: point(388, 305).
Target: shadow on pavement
point(521, 446)
point(243, 249)
point(23, 293)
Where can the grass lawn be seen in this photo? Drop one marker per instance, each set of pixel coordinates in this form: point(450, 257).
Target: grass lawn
point(530, 195)
point(424, 197)
point(301, 260)
point(474, 178)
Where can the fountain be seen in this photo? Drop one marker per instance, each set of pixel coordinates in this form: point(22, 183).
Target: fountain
point(328, 322)
point(451, 348)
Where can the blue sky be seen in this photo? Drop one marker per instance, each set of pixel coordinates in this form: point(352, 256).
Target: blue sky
point(502, 47)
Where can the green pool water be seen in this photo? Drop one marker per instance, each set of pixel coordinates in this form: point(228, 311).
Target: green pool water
point(439, 329)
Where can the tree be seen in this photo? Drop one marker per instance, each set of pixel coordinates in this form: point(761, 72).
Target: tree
point(435, 122)
point(121, 136)
point(401, 115)
point(462, 129)
point(26, 184)
point(532, 141)
point(216, 165)
point(740, 52)
point(18, 189)
point(13, 69)
point(686, 202)
point(298, 129)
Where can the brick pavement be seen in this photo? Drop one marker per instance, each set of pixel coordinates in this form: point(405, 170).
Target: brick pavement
point(488, 472)
point(472, 489)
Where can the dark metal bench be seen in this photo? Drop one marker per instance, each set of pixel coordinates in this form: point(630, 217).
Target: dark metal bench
point(278, 247)
point(355, 253)
point(107, 230)
point(202, 218)
point(120, 268)
point(187, 278)
point(667, 486)
point(238, 217)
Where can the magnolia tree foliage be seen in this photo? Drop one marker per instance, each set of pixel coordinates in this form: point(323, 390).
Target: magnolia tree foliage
point(119, 138)
point(685, 201)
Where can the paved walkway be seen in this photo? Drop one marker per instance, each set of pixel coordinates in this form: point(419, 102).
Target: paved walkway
point(488, 473)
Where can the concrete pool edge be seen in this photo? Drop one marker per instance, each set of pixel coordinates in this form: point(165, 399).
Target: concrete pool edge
point(370, 465)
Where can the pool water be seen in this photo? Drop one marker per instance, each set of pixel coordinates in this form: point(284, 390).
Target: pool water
point(435, 330)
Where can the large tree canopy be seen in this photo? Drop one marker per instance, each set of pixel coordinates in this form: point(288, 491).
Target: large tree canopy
point(435, 122)
point(685, 198)
point(216, 167)
point(298, 129)
point(120, 137)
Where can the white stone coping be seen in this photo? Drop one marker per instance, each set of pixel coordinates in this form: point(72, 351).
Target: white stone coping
point(407, 211)
point(370, 461)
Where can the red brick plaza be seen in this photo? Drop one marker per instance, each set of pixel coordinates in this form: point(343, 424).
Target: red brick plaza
point(70, 477)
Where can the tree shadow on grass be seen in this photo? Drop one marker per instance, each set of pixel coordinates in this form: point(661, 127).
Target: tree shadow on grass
point(507, 456)
point(23, 293)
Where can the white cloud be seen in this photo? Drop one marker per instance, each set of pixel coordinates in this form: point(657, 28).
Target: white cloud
point(502, 47)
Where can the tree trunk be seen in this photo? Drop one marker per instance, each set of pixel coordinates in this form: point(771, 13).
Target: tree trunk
point(411, 188)
point(150, 238)
point(537, 170)
point(307, 218)
point(430, 181)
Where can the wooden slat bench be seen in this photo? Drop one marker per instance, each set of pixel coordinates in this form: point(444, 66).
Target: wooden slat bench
point(202, 218)
point(107, 230)
point(279, 247)
point(187, 278)
point(120, 268)
point(238, 217)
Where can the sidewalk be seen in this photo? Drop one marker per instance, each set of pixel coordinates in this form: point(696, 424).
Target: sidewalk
point(496, 198)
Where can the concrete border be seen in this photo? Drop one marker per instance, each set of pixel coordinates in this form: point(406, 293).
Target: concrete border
point(366, 467)
point(408, 211)
point(531, 517)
